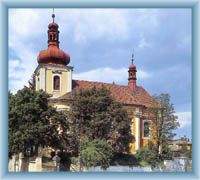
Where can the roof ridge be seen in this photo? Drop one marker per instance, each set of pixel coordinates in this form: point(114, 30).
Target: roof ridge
point(120, 93)
point(101, 83)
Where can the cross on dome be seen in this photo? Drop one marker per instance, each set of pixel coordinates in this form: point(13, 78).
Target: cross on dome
point(132, 58)
point(53, 15)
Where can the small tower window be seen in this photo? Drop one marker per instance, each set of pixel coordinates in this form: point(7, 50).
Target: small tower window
point(56, 83)
point(51, 37)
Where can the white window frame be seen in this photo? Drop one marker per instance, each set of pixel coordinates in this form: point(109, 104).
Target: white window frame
point(132, 127)
point(53, 83)
point(150, 131)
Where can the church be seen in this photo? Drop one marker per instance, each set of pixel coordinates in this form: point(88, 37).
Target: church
point(54, 75)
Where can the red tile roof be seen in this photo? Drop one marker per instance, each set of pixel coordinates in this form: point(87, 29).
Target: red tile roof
point(120, 93)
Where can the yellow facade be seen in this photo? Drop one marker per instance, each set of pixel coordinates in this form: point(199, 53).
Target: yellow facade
point(132, 144)
point(188, 148)
point(44, 79)
point(137, 130)
point(63, 83)
point(61, 106)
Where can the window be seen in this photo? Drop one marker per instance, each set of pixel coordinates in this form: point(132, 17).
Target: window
point(132, 127)
point(137, 109)
point(146, 128)
point(56, 83)
point(54, 36)
point(51, 37)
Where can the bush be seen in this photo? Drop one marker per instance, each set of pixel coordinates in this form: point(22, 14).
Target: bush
point(95, 153)
point(147, 156)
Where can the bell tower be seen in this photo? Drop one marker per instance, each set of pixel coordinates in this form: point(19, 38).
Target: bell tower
point(53, 75)
point(132, 75)
point(53, 33)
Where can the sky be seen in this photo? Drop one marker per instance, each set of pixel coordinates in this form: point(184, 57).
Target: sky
point(100, 43)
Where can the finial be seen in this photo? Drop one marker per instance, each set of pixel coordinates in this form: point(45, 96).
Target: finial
point(53, 15)
point(132, 58)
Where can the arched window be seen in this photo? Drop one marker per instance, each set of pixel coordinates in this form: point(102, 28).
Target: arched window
point(56, 83)
point(54, 37)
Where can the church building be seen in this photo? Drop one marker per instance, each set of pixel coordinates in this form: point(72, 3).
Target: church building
point(54, 75)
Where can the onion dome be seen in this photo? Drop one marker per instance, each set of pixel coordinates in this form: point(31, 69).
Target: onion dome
point(132, 66)
point(53, 25)
point(53, 54)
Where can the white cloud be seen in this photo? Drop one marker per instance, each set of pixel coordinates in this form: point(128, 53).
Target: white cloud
point(21, 69)
point(96, 24)
point(24, 20)
point(184, 118)
point(13, 65)
point(143, 75)
point(108, 75)
point(86, 26)
point(24, 26)
point(143, 43)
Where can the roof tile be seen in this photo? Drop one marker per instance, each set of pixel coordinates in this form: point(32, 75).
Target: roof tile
point(120, 93)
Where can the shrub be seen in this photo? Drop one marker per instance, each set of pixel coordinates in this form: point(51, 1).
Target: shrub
point(95, 153)
point(147, 156)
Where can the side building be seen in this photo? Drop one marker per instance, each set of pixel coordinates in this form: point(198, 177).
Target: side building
point(54, 76)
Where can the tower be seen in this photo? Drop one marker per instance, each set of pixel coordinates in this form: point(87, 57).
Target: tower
point(132, 75)
point(53, 75)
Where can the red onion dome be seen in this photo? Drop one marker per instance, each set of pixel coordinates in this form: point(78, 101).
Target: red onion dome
point(53, 25)
point(53, 55)
point(132, 66)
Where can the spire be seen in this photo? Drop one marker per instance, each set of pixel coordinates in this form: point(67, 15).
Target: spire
point(132, 75)
point(53, 33)
point(132, 58)
point(53, 15)
point(53, 54)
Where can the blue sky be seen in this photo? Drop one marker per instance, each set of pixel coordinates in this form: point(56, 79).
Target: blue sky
point(100, 43)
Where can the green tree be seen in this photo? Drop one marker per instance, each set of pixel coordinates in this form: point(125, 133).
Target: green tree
point(166, 123)
point(33, 123)
point(95, 153)
point(32, 82)
point(94, 114)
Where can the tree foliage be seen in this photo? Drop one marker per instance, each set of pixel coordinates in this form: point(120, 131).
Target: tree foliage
point(166, 122)
point(31, 82)
point(33, 123)
point(95, 115)
point(169, 122)
point(95, 153)
point(147, 156)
